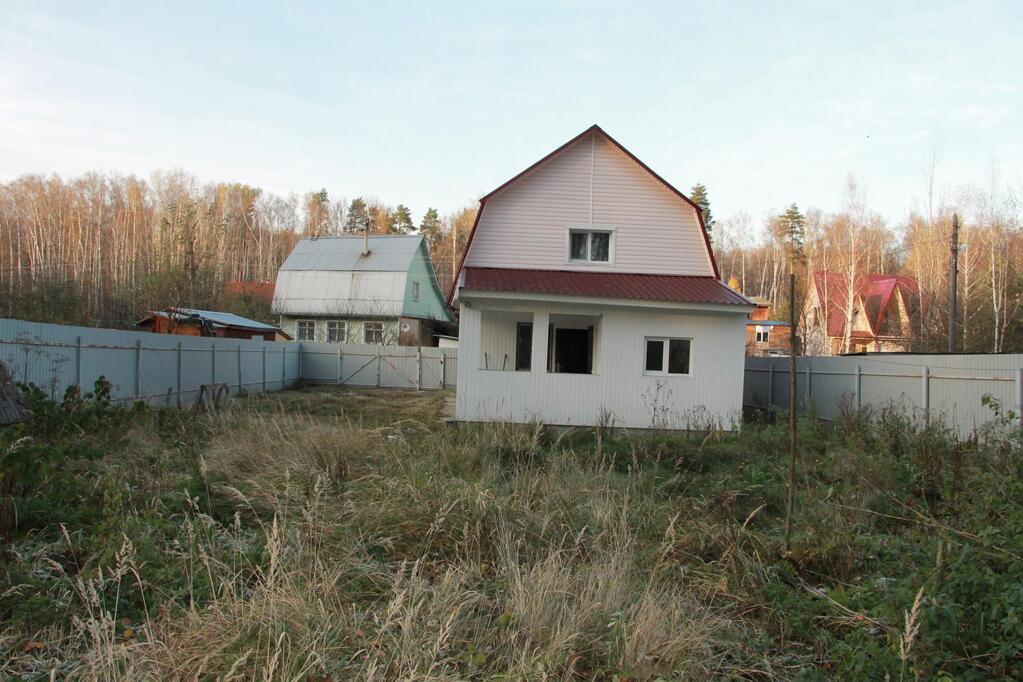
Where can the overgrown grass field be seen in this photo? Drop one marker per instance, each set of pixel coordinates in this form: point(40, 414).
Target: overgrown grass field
point(333, 534)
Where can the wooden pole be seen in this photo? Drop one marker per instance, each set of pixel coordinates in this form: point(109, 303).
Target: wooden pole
point(792, 412)
point(953, 277)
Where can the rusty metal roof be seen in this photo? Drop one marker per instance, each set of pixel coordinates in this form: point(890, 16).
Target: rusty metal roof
point(640, 287)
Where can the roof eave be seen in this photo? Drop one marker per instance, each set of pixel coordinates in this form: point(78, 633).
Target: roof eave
point(603, 301)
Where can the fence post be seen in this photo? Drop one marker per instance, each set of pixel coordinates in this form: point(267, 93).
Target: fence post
point(179, 373)
point(809, 383)
point(264, 367)
point(239, 369)
point(138, 369)
point(378, 366)
point(443, 369)
point(78, 363)
point(859, 378)
point(419, 368)
point(1019, 395)
point(770, 383)
point(339, 364)
point(213, 364)
point(284, 367)
point(925, 397)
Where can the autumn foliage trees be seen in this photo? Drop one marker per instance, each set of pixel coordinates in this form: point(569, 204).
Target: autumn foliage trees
point(856, 240)
point(105, 249)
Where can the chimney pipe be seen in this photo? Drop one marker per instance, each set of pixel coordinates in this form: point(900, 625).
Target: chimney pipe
point(365, 239)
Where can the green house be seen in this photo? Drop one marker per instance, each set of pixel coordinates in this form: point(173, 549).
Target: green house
point(376, 290)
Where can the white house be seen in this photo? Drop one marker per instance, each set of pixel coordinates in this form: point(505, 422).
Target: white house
point(376, 290)
point(587, 292)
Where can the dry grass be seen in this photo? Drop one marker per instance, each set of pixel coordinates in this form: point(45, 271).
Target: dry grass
point(335, 534)
point(393, 548)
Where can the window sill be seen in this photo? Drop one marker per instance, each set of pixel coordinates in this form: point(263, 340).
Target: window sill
point(667, 375)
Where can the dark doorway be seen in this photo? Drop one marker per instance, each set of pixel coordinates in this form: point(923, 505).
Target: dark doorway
point(573, 351)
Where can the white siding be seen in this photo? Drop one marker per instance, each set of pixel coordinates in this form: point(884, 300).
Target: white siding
point(590, 183)
point(497, 346)
point(713, 392)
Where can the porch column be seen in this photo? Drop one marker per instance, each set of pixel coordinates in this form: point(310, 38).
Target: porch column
point(538, 359)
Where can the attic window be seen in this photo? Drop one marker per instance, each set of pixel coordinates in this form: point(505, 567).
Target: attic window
point(415, 291)
point(589, 246)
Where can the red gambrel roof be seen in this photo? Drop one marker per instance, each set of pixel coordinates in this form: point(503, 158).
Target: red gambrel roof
point(639, 287)
point(875, 291)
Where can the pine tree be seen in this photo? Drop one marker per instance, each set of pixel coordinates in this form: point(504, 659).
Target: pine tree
point(698, 195)
point(401, 220)
point(791, 233)
point(430, 227)
point(358, 216)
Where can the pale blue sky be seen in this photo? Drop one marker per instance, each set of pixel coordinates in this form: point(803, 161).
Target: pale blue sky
point(437, 103)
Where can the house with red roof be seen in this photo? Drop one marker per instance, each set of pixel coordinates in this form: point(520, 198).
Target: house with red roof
point(877, 318)
point(588, 294)
point(262, 292)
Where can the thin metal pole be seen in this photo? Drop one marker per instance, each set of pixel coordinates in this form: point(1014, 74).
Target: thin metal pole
point(179, 373)
point(138, 369)
point(859, 380)
point(239, 368)
point(264, 368)
point(78, 363)
point(809, 385)
point(925, 398)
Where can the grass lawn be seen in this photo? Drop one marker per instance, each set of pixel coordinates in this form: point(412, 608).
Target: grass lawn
point(330, 533)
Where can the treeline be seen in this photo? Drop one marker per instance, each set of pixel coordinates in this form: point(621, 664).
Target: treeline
point(105, 249)
point(856, 240)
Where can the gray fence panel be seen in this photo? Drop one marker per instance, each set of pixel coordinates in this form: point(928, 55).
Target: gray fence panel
point(945, 388)
point(354, 364)
point(141, 365)
point(167, 369)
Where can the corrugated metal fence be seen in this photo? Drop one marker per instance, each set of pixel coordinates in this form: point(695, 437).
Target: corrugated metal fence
point(169, 370)
point(948, 388)
point(385, 366)
point(159, 368)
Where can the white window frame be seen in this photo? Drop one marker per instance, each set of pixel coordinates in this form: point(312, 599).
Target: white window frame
point(342, 331)
point(298, 329)
point(762, 336)
point(415, 291)
point(589, 230)
point(664, 356)
point(365, 333)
